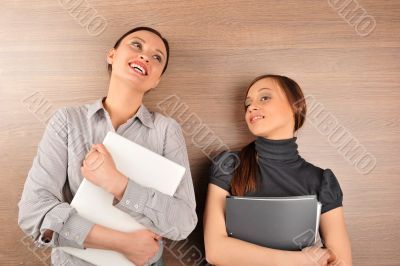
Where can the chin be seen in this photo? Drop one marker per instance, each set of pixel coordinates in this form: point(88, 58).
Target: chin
point(259, 129)
point(138, 84)
point(258, 132)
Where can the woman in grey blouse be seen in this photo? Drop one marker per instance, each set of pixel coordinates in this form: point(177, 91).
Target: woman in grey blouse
point(70, 146)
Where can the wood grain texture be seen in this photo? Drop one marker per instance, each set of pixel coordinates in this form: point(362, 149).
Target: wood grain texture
point(217, 47)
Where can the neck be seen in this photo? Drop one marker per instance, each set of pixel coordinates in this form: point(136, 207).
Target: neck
point(282, 134)
point(282, 149)
point(122, 101)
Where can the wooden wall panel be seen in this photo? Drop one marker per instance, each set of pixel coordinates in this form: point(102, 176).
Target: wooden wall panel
point(217, 47)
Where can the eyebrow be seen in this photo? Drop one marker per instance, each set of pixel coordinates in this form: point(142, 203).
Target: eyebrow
point(157, 50)
point(261, 89)
point(264, 89)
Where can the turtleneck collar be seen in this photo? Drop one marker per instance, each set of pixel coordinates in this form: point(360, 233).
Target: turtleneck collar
point(281, 150)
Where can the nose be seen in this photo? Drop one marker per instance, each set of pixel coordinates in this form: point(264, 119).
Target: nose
point(252, 107)
point(144, 58)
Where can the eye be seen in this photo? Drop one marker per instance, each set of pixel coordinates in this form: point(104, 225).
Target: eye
point(265, 98)
point(137, 45)
point(158, 58)
point(247, 104)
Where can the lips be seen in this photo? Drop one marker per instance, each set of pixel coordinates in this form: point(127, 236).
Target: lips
point(139, 67)
point(255, 118)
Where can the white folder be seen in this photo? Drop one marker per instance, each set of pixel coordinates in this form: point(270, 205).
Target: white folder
point(146, 168)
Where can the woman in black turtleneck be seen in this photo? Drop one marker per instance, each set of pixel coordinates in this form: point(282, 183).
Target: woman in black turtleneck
point(270, 166)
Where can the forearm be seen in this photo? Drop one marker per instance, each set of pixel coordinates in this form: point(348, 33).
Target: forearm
point(171, 217)
point(101, 237)
point(59, 224)
point(225, 250)
point(335, 236)
point(342, 253)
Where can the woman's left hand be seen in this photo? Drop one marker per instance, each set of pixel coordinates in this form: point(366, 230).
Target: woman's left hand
point(99, 168)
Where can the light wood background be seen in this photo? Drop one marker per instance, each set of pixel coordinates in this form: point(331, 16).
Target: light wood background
point(217, 47)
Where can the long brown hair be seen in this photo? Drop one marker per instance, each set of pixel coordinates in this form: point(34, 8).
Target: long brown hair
point(245, 176)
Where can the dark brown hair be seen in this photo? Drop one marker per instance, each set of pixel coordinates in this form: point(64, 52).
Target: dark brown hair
point(116, 45)
point(245, 176)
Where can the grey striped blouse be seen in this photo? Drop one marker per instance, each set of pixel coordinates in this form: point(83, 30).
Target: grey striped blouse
point(68, 136)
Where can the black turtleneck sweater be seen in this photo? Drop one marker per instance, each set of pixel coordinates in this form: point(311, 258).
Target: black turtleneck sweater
point(282, 172)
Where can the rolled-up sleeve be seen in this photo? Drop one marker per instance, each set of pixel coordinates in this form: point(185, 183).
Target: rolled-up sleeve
point(172, 217)
point(41, 207)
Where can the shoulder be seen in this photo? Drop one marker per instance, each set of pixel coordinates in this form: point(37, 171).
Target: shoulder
point(58, 120)
point(312, 168)
point(169, 133)
point(323, 178)
point(164, 122)
point(225, 162)
point(168, 129)
point(70, 120)
point(73, 113)
point(76, 118)
point(223, 168)
point(325, 184)
point(329, 182)
point(330, 193)
point(312, 173)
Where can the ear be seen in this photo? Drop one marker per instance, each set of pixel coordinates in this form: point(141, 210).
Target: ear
point(110, 55)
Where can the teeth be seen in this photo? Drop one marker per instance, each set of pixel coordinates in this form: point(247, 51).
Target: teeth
point(137, 67)
point(256, 118)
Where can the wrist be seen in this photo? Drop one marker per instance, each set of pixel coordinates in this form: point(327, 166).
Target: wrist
point(119, 185)
point(289, 258)
point(120, 242)
point(101, 237)
point(297, 258)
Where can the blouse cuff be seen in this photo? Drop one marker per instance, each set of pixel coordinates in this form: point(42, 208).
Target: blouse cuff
point(74, 232)
point(220, 184)
point(331, 206)
point(69, 228)
point(134, 199)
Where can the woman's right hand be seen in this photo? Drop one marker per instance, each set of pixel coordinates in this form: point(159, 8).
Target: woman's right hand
point(314, 256)
point(139, 246)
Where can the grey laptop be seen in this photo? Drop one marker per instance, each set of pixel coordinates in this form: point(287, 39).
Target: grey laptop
point(286, 223)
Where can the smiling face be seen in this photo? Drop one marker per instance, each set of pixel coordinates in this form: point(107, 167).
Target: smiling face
point(268, 112)
point(139, 59)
